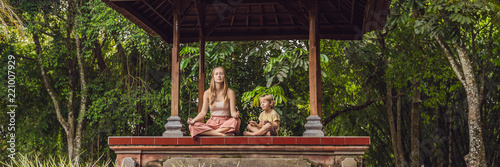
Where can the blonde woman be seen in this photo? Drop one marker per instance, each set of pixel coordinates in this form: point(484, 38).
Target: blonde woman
point(224, 119)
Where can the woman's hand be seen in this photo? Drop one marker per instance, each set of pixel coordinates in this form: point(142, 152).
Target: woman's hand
point(190, 121)
point(237, 115)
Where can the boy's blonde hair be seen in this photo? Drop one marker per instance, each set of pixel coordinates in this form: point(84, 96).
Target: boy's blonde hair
point(269, 98)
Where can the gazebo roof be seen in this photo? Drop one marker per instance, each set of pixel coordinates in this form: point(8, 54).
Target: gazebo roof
point(238, 20)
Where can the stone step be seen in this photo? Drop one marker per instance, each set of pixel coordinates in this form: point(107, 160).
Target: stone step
point(236, 162)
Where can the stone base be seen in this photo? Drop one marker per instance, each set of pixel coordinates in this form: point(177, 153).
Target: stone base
point(128, 162)
point(149, 151)
point(349, 162)
point(173, 127)
point(241, 162)
point(314, 127)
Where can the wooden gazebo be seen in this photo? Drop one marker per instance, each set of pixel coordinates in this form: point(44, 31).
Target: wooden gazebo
point(237, 20)
point(185, 21)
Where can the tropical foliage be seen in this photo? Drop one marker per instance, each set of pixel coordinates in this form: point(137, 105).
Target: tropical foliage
point(425, 88)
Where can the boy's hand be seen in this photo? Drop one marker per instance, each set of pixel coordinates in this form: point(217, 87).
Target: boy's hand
point(253, 123)
point(265, 122)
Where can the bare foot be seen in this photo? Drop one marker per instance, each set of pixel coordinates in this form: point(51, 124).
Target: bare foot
point(228, 134)
point(222, 130)
point(246, 133)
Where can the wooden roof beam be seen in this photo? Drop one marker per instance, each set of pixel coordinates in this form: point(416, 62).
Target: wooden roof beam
point(159, 5)
point(300, 17)
point(244, 2)
point(155, 11)
point(326, 19)
point(336, 7)
point(140, 7)
point(185, 5)
point(232, 21)
point(338, 4)
point(146, 22)
point(368, 16)
point(353, 5)
point(305, 4)
point(261, 16)
point(257, 26)
point(344, 36)
point(227, 8)
point(168, 8)
point(275, 16)
point(248, 16)
point(377, 15)
point(201, 7)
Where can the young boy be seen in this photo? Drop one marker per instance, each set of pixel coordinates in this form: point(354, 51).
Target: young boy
point(268, 120)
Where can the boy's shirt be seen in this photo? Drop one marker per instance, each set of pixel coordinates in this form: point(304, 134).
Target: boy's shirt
point(271, 117)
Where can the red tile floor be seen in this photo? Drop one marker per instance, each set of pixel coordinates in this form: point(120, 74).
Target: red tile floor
point(239, 140)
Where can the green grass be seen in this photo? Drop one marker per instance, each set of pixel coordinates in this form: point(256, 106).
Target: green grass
point(23, 160)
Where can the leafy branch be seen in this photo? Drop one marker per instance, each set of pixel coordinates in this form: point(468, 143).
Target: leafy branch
point(368, 102)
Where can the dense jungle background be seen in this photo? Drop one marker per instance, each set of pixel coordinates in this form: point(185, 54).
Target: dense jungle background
point(83, 72)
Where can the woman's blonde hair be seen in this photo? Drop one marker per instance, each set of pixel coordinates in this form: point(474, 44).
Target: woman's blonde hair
point(269, 98)
point(212, 88)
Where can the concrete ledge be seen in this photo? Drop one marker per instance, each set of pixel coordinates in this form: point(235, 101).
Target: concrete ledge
point(240, 162)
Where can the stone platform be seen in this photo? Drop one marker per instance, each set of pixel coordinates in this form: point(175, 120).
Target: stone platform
point(319, 151)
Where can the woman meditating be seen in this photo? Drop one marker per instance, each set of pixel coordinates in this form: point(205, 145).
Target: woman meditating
point(224, 119)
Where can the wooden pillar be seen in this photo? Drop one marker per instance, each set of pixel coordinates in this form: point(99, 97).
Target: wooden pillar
point(175, 61)
point(313, 125)
point(201, 74)
point(314, 61)
point(173, 126)
point(201, 5)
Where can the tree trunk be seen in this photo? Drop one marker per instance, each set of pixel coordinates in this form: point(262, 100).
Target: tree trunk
point(73, 134)
point(66, 125)
point(399, 141)
point(83, 98)
point(477, 155)
point(398, 156)
point(98, 56)
point(450, 136)
point(415, 127)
